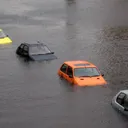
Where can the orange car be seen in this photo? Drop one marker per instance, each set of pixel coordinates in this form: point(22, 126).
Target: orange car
point(81, 73)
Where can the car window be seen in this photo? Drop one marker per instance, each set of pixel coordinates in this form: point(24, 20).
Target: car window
point(26, 48)
point(86, 72)
point(120, 98)
point(126, 102)
point(2, 35)
point(69, 71)
point(63, 68)
point(21, 46)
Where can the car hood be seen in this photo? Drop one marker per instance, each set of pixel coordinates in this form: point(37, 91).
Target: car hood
point(43, 57)
point(90, 81)
point(5, 40)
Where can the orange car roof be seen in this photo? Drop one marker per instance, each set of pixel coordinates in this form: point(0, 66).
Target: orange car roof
point(79, 64)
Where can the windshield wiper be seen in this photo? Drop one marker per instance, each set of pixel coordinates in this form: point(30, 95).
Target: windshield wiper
point(84, 76)
point(43, 54)
point(95, 75)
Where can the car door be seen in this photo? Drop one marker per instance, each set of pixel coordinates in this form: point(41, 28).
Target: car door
point(119, 101)
point(25, 51)
point(63, 71)
point(70, 75)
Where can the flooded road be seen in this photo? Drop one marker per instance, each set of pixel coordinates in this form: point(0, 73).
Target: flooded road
point(31, 94)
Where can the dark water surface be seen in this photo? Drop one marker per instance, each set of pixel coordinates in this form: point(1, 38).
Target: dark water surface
point(31, 94)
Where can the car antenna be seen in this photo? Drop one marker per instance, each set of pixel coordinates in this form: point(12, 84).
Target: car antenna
point(39, 42)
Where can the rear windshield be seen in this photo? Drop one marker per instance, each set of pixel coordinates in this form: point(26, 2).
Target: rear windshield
point(39, 49)
point(2, 35)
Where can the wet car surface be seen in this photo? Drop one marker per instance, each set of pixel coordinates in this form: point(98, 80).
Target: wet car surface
point(31, 94)
point(35, 52)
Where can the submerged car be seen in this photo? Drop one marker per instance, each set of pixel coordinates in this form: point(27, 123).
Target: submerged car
point(81, 73)
point(4, 39)
point(35, 52)
point(120, 102)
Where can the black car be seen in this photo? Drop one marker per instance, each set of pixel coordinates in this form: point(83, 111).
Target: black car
point(36, 52)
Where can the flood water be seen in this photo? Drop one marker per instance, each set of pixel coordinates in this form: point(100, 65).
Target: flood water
point(31, 94)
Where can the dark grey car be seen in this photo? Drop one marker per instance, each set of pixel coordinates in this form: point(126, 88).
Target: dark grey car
point(35, 52)
point(120, 101)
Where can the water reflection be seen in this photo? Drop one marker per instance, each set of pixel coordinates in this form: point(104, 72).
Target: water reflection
point(67, 86)
point(71, 11)
point(27, 63)
point(71, 25)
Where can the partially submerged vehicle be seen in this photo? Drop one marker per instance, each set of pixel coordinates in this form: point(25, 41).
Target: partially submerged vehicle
point(120, 102)
point(4, 39)
point(36, 52)
point(81, 73)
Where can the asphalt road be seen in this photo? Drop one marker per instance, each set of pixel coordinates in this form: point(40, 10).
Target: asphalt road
point(31, 94)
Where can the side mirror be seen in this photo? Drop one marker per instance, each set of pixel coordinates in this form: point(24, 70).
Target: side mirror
point(52, 52)
point(70, 76)
point(102, 74)
point(125, 109)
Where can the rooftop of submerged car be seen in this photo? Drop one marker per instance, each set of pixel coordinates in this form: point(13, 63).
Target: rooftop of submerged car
point(79, 64)
point(38, 48)
point(32, 44)
point(124, 91)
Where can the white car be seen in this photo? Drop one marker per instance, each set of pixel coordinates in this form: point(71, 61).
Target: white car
point(120, 101)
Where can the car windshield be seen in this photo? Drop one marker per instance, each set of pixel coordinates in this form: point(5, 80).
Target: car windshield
point(85, 72)
point(2, 35)
point(39, 49)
